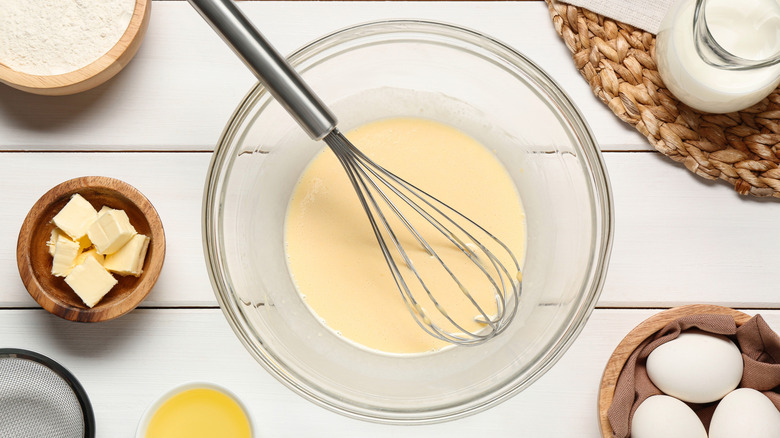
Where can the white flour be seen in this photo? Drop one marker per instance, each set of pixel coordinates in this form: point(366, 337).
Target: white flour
point(49, 37)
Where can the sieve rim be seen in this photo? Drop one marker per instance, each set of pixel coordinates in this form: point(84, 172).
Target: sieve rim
point(78, 390)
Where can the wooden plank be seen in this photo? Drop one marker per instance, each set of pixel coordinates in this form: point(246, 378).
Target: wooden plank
point(126, 363)
point(678, 239)
point(183, 85)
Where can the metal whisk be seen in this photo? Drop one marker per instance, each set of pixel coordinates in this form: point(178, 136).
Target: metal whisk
point(388, 201)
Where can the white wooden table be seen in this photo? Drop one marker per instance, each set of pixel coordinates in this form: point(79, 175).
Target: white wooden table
point(678, 239)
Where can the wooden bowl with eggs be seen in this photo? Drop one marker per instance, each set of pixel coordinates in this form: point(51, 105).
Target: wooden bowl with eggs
point(91, 75)
point(635, 337)
point(35, 261)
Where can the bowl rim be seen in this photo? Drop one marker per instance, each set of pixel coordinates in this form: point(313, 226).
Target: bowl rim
point(93, 74)
point(599, 187)
point(636, 336)
point(147, 279)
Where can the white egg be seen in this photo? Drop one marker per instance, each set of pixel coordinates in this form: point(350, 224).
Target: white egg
point(745, 413)
point(661, 416)
point(697, 367)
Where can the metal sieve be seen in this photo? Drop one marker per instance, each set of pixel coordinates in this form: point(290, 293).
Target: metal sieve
point(40, 398)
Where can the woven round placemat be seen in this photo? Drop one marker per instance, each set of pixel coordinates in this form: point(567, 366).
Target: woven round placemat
point(618, 61)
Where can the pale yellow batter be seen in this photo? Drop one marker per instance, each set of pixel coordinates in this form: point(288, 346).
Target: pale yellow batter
point(332, 252)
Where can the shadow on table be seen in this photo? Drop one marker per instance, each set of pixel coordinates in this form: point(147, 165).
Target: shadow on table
point(48, 113)
point(92, 340)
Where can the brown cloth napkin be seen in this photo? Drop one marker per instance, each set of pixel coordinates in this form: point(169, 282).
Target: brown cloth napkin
point(760, 348)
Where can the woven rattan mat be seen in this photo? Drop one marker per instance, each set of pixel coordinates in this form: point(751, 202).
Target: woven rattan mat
point(618, 61)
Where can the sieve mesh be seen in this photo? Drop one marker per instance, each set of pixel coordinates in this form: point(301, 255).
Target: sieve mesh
point(37, 400)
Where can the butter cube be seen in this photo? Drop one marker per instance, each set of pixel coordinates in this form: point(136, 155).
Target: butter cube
point(90, 281)
point(76, 217)
point(129, 260)
point(92, 252)
point(110, 231)
point(65, 253)
point(52, 243)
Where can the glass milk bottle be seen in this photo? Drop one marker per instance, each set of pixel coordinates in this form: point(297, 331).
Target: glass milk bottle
point(720, 56)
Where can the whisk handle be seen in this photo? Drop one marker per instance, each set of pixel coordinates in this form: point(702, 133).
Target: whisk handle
point(268, 65)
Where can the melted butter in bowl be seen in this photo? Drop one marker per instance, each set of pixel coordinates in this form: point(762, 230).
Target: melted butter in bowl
point(196, 410)
point(337, 264)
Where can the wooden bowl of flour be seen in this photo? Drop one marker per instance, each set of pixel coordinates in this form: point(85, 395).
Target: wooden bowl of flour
point(49, 74)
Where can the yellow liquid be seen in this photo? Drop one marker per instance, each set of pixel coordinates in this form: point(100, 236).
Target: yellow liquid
point(336, 262)
point(199, 413)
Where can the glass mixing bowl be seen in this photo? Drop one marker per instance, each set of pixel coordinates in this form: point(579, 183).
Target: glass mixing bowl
point(447, 74)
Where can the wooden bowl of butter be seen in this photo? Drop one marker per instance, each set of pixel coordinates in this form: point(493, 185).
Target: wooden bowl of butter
point(91, 249)
point(66, 47)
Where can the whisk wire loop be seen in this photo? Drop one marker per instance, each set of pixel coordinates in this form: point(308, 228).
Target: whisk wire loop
point(370, 179)
point(428, 248)
point(353, 171)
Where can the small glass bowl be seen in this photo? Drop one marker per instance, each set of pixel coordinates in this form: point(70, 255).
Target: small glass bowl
point(447, 74)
